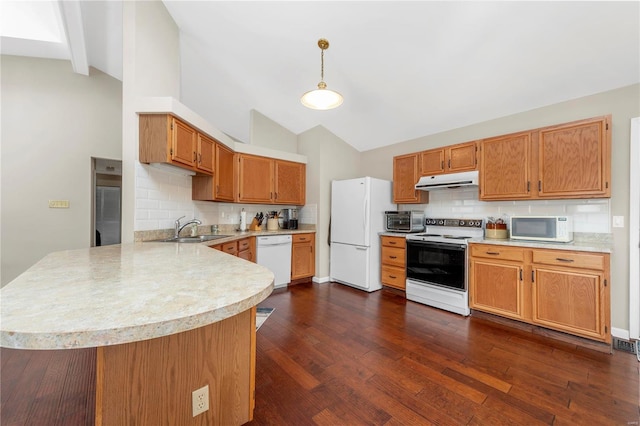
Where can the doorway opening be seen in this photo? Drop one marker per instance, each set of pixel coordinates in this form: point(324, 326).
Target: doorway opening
point(107, 201)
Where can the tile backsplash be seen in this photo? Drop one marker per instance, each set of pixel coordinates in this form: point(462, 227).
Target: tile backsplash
point(590, 215)
point(163, 195)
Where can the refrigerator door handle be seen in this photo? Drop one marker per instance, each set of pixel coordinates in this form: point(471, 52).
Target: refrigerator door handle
point(361, 248)
point(364, 214)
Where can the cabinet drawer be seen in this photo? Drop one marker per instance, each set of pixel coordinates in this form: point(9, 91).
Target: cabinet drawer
point(572, 259)
point(393, 241)
point(244, 244)
point(393, 276)
point(301, 238)
point(393, 256)
point(231, 248)
point(497, 252)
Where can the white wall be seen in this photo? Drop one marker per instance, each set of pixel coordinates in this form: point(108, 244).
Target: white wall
point(53, 122)
point(330, 158)
point(151, 67)
point(623, 104)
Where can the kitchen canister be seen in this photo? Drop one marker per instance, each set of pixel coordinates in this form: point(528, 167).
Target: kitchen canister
point(272, 224)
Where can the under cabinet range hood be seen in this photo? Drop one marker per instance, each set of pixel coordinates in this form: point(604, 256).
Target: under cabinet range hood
point(447, 181)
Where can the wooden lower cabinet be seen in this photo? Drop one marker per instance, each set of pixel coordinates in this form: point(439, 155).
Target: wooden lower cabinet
point(244, 248)
point(303, 257)
point(393, 262)
point(563, 290)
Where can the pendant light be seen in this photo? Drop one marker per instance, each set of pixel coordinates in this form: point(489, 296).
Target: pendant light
point(322, 98)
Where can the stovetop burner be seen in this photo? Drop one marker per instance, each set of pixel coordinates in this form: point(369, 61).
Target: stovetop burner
point(449, 230)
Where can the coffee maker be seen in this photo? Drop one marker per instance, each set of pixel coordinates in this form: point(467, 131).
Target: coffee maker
point(288, 218)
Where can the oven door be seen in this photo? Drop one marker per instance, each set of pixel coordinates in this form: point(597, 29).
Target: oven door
point(442, 264)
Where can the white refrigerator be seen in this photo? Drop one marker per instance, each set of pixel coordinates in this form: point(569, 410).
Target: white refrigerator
point(357, 218)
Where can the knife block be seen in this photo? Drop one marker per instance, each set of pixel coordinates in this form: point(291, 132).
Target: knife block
point(254, 225)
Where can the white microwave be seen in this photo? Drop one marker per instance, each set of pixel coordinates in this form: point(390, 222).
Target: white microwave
point(542, 228)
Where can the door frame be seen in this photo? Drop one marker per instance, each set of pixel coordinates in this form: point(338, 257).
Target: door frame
point(634, 230)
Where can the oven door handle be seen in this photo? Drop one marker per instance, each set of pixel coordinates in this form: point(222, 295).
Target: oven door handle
point(427, 244)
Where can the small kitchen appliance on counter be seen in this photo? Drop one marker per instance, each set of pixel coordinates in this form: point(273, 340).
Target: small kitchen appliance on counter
point(437, 263)
point(555, 229)
point(404, 221)
point(288, 218)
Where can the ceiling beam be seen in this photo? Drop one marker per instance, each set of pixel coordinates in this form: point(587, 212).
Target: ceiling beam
point(71, 15)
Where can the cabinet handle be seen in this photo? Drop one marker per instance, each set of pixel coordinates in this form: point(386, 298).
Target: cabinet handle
point(392, 276)
point(539, 186)
point(195, 156)
point(520, 274)
point(217, 189)
point(393, 257)
point(442, 164)
point(200, 158)
point(528, 186)
point(392, 243)
point(493, 253)
point(533, 277)
point(449, 165)
point(303, 239)
point(560, 259)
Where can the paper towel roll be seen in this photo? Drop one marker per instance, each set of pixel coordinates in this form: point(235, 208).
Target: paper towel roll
point(243, 221)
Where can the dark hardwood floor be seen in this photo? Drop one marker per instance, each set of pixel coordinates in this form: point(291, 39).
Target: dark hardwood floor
point(332, 355)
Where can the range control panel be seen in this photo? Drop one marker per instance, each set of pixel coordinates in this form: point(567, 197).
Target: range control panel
point(465, 223)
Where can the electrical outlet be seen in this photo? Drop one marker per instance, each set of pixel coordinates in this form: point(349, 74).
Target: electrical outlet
point(618, 221)
point(200, 400)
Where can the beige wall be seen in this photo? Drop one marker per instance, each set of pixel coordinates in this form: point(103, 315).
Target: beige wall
point(623, 104)
point(53, 122)
point(329, 158)
point(269, 134)
point(151, 67)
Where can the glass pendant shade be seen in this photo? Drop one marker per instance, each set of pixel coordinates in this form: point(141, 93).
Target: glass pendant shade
point(321, 98)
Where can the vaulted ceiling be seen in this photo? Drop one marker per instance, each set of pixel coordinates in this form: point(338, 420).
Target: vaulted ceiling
point(405, 69)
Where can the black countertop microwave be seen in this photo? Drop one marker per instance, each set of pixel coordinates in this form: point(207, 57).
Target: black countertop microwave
point(404, 221)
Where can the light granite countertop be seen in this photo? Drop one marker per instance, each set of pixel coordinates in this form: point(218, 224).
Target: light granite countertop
point(124, 293)
point(599, 243)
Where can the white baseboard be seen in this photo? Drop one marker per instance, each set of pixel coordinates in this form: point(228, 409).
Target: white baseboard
point(620, 333)
point(320, 280)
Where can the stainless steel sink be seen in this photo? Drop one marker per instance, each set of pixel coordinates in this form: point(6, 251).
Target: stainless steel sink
point(197, 239)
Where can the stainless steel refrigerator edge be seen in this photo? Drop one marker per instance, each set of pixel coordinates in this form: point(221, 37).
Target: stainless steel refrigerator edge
point(357, 218)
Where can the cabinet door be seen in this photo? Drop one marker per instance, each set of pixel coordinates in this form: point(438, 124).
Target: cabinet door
point(405, 176)
point(303, 259)
point(183, 143)
point(255, 183)
point(205, 154)
point(224, 173)
point(571, 301)
point(432, 162)
point(574, 160)
point(496, 287)
point(393, 276)
point(290, 183)
point(504, 167)
point(462, 157)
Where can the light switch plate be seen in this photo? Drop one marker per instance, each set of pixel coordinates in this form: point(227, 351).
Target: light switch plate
point(618, 221)
point(58, 204)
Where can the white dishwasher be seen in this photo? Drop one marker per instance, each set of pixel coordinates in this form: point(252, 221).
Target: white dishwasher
point(274, 253)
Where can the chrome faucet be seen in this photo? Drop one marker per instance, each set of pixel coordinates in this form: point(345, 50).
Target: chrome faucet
point(179, 228)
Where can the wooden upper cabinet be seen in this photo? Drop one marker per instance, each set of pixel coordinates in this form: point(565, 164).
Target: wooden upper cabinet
point(224, 174)
point(406, 169)
point(270, 181)
point(219, 186)
point(205, 153)
point(255, 179)
point(462, 157)
point(505, 167)
point(432, 162)
point(290, 182)
point(450, 159)
point(574, 159)
point(165, 139)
